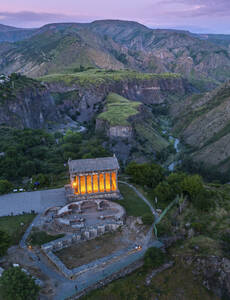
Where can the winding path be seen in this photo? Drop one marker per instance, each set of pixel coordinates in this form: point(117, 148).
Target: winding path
point(66, 287)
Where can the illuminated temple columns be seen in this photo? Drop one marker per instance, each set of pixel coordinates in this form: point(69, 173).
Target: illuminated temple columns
point(95, 183)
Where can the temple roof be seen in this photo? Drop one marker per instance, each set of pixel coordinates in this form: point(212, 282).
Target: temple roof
point(93, 165)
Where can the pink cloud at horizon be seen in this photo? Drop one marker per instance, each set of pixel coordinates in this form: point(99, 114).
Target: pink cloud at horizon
point(196, 15)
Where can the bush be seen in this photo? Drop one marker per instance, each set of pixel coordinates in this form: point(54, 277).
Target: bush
point(175, 181)
point(164, 192)
point(17, 285)
point(41, 180)
point(193, 186)
point(5, 187)
point(148, 219)
point(4, 242)
point(204, 201)
point(154, 258)
point(199, 227)
point(145, 174)
point(164, 228)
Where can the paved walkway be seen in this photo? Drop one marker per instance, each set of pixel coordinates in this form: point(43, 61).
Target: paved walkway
point(38, 201)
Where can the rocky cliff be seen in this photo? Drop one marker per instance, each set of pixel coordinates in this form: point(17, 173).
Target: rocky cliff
point(25, 103)
point(82, 95)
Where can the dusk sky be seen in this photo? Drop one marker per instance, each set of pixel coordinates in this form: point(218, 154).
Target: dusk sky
point(204, 16)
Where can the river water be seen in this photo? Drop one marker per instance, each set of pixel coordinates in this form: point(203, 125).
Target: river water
point(176, 144)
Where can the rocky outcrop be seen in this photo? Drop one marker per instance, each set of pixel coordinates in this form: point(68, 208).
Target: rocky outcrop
point(31, 107)
point(125, 132)
point(83, 102)
point(215, 272)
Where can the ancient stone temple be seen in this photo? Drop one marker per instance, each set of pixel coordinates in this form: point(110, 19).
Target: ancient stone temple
point(93, 178)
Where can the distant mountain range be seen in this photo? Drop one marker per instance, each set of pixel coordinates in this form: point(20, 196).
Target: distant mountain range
point(111, 44)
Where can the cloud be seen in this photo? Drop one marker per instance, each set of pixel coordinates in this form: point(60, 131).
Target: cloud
point(34, 19)
point(194, 8)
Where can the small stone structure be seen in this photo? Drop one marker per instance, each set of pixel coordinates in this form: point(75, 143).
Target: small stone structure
point(93, 179)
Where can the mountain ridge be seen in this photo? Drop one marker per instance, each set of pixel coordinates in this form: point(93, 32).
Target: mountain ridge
point(115, 44)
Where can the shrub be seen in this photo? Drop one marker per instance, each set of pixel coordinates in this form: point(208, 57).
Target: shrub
point(164, 192)
point(148, 219)
point(4, 242)
point(164, 228)
point(199, 227)
point(192, 185)
point(5, 186)
point(41, 180)
point(204, 201)
point(145, 174)
point(17, 285)
point(154, 258)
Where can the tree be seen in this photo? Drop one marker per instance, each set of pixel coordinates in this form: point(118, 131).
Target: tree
point(4, 242)
point(175, 181)
point(72, 137)
point(5, 186)
point(145, 174)
point(193, 186)
point(154, 257)
point(164, 192)
point(17, 285)
point(41, 180)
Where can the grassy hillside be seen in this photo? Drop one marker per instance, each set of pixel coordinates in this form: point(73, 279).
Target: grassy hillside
point(118, 110)
point(96, 77)
point(203, 123)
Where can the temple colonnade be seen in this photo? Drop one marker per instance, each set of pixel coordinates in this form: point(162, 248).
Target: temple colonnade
point(100, 182)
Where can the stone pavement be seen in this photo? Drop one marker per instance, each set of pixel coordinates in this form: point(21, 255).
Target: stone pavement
point(38, 201)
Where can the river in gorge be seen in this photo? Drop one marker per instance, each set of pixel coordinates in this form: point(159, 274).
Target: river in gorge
point(176, 145)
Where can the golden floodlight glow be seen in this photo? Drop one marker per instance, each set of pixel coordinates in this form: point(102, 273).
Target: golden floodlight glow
point(75, 186)
point(102, 183)
point(95, 184)
point(83, 184)
point(89, 185)
point(107, 182)
point(114, 181)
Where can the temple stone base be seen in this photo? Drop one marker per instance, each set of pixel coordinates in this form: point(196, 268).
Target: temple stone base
point(71, 197)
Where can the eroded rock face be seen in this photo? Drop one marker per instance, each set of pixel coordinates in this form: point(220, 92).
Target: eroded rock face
point(215, 273)
point(89, 100)
point(32, 108)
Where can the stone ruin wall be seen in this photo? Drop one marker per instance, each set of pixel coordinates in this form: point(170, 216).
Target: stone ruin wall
point(50, 248)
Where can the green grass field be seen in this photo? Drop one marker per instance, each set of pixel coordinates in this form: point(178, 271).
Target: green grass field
point(134, 205)
point(119, 109)
point(15, 226)
point(39, 238)
point(100, 76)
